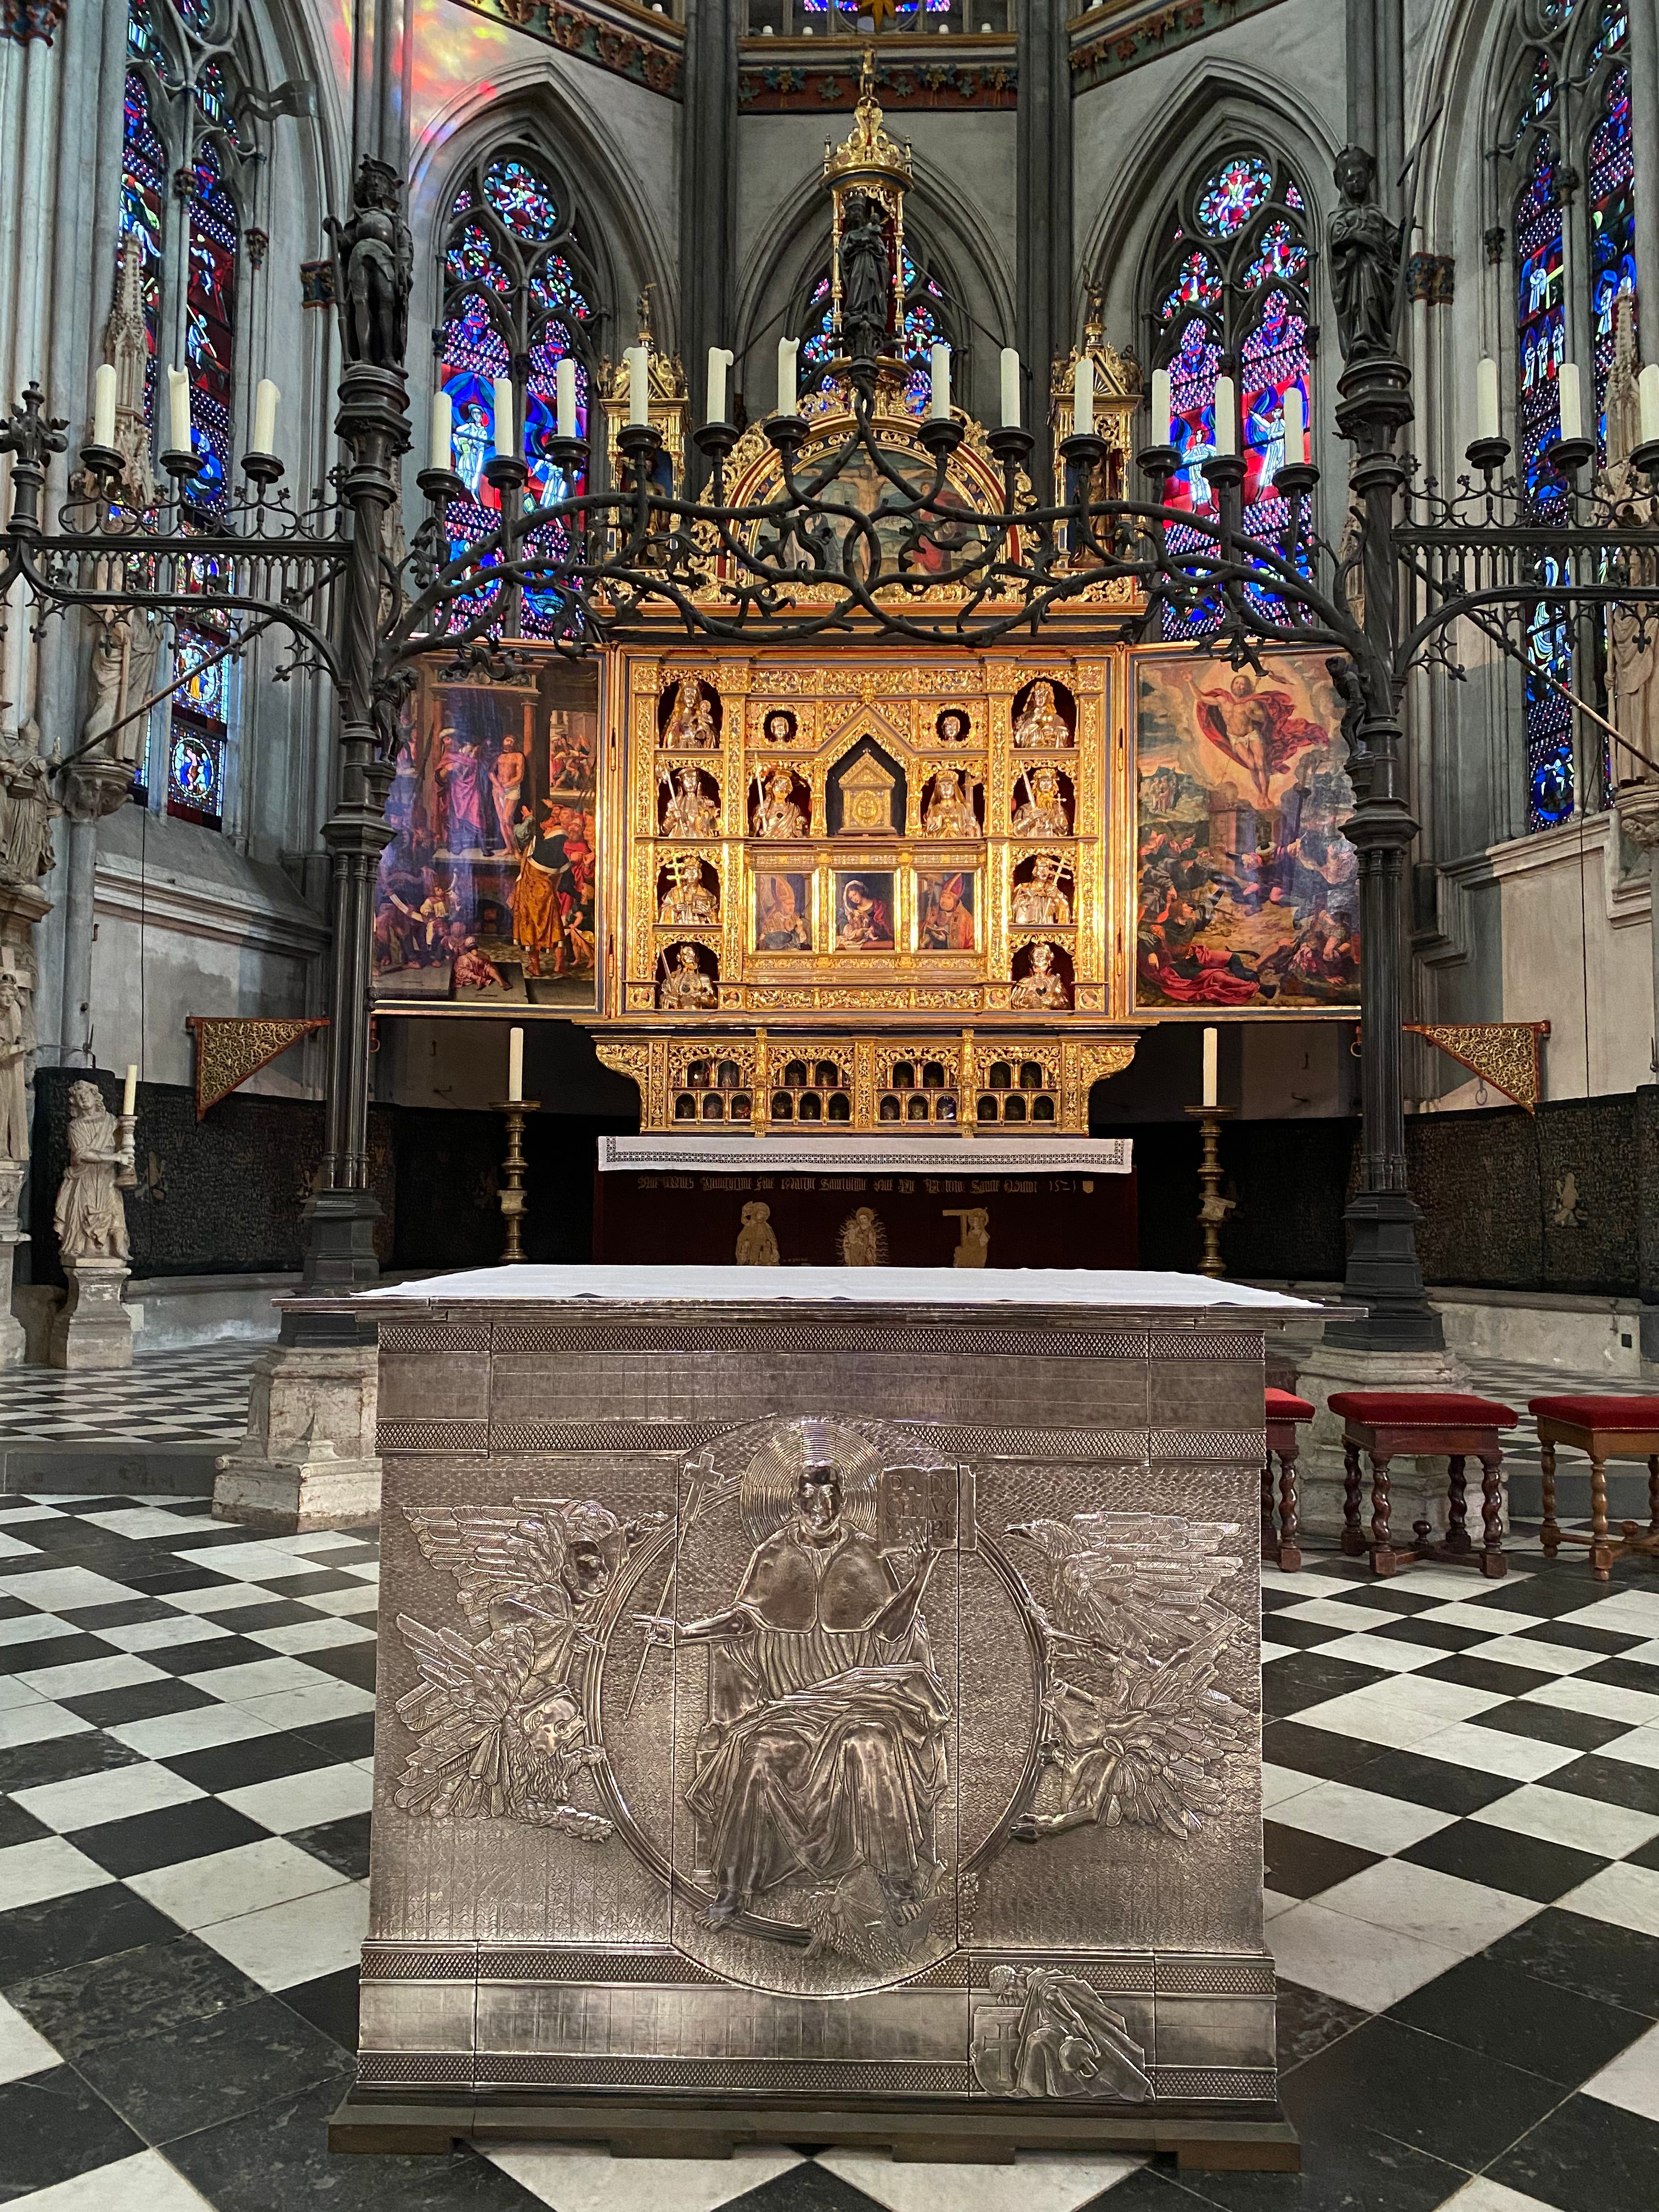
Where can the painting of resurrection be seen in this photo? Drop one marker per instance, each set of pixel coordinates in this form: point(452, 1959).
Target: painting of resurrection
point(485, 894)
point(1248, 889)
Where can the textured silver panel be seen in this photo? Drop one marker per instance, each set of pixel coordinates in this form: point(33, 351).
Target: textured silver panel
point(433, 1436)
point(946, 1340)
point(1215, 1978)
point(642, 1969)
point(1209, 1344)
point(384, 1962)
point(679, 1436)
point(434, 1336)
point(1229, 1446)
point(382, 2069)
point(882, 2077)
point(1257, 2084)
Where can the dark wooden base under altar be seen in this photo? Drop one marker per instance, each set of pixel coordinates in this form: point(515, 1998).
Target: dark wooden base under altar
point(987, 2133)
point(1032, 1220)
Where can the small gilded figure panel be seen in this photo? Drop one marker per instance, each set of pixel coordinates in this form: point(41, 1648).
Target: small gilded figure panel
point(865, 907)
point(779, 804)
point(783, 912)
point(1043, 802)
point(1043, 892)
point(688, 892)
point(688, 980)
point(1042, 980)
point(689, 802)
point(1044, 717)
point(950, 805)
point(689, 715)
point(946, 909)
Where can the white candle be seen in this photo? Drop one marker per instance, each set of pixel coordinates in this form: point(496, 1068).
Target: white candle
point(1083, 399)
point(103, 405)
point(721, 358)
point(787, 350)
point(507, 416)
point(938, 362)
point(1488, 421)
point(1211, 1051)
point(1010, 388)
point(564, 397)
point(1296, 441)
point(443, 431)
point(1647, 391)
point(638, 384)
point(515, 1066)
point(130, 1089)
point(1161, 407)
point(1569, 400)
point(178, 410)
point(1226, 422)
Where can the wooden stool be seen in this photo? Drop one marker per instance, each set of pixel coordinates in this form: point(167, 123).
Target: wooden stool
point(1600, 1427)
point(1278, 1536)
point(1424, 1424)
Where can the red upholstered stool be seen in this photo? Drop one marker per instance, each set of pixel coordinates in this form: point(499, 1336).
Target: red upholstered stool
point(1424, 1424)
point(1278, 1534)
point(1602, 1428)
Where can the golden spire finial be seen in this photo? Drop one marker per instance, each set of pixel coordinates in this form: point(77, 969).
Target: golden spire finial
point(867, 149)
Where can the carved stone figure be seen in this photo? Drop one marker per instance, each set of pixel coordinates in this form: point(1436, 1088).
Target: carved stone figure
point(1042, 989)
point(1041, 725)
point(1043, 811)
point(865, 277)
point(89, 1217)
point(1633, 628)
point(684, 987)
point(126, 348)
point(824, 1755)
point(13, 1070)
point(1364, 257)
point(25, 848)
point(690, 812)
point(1133, 1728)
point(757, 1244)
point(691, 723)
point(1041, 903)
point(950, 811)
point(776, 811)
point(501, 1724)
point(374, 267)
point(1046, 2033)
point(688, 900)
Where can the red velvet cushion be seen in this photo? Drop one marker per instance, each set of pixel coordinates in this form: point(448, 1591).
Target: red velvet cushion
point(1600, 1412)
point(1285, 1406)
point(1440, 1409)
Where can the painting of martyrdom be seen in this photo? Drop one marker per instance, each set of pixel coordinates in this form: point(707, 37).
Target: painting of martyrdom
point(1248, 891)
point(864, 911)
point(486, 890)
point(783, 913)
point(945, 905)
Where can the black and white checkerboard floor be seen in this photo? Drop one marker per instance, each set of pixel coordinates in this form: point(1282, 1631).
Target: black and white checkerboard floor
point(198, 1397)
point(1462, 1846)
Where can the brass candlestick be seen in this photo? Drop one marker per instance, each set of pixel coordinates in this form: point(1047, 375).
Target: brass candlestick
point(514, 1202)
point(1212, 1208)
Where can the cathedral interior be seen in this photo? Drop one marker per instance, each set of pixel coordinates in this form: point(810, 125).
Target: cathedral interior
point(926, 634)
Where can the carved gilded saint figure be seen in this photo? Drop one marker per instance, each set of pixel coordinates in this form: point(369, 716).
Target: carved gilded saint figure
point(950, 811)
point(686, 987)
point(691, 811)
point(687, 900)
point(1042, 726)
point(776, 812)
point(1043, 989)
point(1043, 811)
point(1041, 903)
point(691, 724)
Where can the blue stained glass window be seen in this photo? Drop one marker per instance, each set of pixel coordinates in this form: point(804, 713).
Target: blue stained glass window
point(1612, 229)
point(201, 718)
point(1613, 31)
point(1227, 200)
point(522, 200)
point(144, 198)
point(1273, 361)
point(1198, 283)
point(1540, 341)
point(210, 327)
point(1280, 254)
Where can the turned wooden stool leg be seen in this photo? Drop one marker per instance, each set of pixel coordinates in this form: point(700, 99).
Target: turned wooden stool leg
point(1290, 1527)
point(1493, 1561)
point(1457, 1508)
point(1383, 1558)
point(1353, 1543)
point(1653, 1495)
point(1601, 1554)
point(1551, 1531)
point(1269, 1546)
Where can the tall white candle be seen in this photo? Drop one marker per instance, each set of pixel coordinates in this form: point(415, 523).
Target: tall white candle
point(939, 362)
point(1569, 400)
point(265, 396)
point(506, 420)
point(1226, 417)
point(1083, 399)
point(638, 384)
point(130, 1089)
point(515, 1064)
point(721, 358)
point(1010, 388)
point(1647, 392)
point(1296, 434)
point(1161, 413)
point(1211, 1053)
point(443, 430)
point(103, 405)
point(1488, 421)
point(178, 410)
point(787, 350)
point(564, 397)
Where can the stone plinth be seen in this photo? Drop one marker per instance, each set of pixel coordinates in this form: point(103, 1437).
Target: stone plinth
point(831, 1703)
point(308, 1460)
point(92, 1329)
point(13, 1338)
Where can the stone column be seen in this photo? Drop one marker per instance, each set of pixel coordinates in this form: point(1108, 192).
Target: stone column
point(94, 788)
point(1043, 251)
point(308, 1459)
point(1638, 808)
point(708, 164)
point(93, 1329)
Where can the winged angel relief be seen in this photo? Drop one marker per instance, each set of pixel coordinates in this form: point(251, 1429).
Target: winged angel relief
point(501, 1725)
point(1133, 1726)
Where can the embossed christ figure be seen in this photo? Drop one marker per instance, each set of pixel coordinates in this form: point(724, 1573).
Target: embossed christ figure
point(824, 1748)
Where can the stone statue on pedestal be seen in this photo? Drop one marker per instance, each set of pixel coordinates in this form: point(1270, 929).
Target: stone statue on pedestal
point(1632, 663)
point(863, 278)
point(1364, 252)
point(93, 1327)
point(374, 270)
point(14, 1072)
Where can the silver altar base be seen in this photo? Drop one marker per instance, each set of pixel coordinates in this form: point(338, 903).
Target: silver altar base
point(825, 1714)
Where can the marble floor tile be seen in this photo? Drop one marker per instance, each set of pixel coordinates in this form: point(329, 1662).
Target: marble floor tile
point(1638, 1747)
point(304, 1800)
point(1494, 1751)
point(574, 2177)
point(301, 1636)
point(114, 1796)
point(163, 1635)
point(1634, 1706)
point(1401, 1713)
point(1632, 2080)
point(296, 1942)
point(1033, 2183)
point(227, 1884)
point(49, 1866)
point(1456, 1916)
point(21, 2050)
point(1627, 1895)
point(168, 1734)
point(85, 1679)
point(1318, 1948)
point(1362, 1817)
point(37, 1722)
point(1582, 1823)
point(142, 2183)
point(301, 1710)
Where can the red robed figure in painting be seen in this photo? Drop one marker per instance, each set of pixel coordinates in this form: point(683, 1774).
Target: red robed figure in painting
point(1260, 731)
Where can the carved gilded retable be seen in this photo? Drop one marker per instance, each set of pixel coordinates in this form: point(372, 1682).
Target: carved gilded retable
point(824, 1712)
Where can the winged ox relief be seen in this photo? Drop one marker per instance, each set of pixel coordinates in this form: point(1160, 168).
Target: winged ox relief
point(502, 1723)
point(1133, 1726)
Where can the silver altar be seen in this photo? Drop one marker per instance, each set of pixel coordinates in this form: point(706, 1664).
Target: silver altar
point(820, 1711)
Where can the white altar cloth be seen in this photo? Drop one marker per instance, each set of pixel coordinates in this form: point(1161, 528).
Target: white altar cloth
point(962, 1155)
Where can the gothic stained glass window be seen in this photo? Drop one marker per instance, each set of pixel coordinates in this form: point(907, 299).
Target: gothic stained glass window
point(211, 326)
point(201, 721)
point(1613, 228)
point(1540, 341)
point(144, 200)
point(512, 295)
point(1228, 199)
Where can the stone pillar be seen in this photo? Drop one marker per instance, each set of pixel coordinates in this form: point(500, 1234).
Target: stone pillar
point(95, 787)
point(308, 1460)
point(708, 164)
point(1043, 255)
point(92, 1329)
